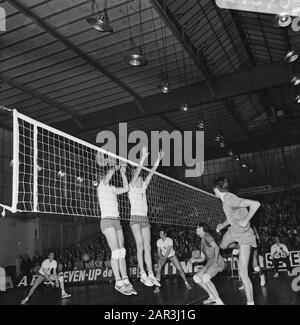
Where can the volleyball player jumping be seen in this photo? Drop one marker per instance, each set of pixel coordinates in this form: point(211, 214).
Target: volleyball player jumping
point(139, 218)
point(112, 229)
point(214, 265)
point(238, 213)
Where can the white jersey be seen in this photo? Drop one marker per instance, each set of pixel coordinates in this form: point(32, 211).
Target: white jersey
point(279, 250)
point(47, 267)
point(164, 244)
point(138, 200)
point(108, 201)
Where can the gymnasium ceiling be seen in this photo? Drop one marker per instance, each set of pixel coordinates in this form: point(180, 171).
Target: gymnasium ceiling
point(227, 65)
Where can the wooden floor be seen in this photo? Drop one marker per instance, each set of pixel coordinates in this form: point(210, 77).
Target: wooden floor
point(173, 292)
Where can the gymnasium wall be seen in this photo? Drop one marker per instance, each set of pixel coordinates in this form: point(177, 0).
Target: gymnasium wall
point(17, 237)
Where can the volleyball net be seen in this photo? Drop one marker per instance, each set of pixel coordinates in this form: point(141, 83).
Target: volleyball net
point(56, 173)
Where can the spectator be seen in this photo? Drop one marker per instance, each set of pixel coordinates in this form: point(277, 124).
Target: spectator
point(107, 264)
point(26, 267)
point(18, 266)
point(98, 262)
point(37, 259)
point(78, 264)
point(280, 253)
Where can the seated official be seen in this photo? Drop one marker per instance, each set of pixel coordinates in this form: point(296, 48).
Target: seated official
point(280, 253)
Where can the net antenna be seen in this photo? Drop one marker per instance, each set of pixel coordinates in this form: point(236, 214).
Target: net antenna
point(56, 173)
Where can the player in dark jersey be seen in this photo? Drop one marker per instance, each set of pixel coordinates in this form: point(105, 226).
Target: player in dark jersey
point(238, 214)
point(214, 265)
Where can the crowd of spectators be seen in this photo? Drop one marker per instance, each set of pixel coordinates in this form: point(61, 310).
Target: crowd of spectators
point(279, 215)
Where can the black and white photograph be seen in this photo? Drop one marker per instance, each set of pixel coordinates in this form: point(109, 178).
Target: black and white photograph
point(149, 155)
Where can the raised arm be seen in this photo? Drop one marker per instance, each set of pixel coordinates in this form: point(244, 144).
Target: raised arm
point(253, 206)
point(125, 188)
point(110, 174)
point(137, 171)
point(149, 177)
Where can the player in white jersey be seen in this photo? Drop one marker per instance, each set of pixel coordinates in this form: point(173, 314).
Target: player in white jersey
point(47, 273)
point(111, 227)
point(167, 253)
point(139, 220)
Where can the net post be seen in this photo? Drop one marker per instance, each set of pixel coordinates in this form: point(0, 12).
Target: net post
point(15, 181)
point(35, 168)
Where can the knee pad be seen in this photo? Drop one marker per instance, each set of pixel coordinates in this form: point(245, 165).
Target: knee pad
point(256, 268)
point(122, 252)
point(206, 278)
point(197, 279)
point(115, 254)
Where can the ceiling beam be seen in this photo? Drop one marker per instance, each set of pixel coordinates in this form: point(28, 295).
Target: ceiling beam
point(231, 108)
point(39, 21)
point(77, 118)
point(198, 58)
point(179, 33)
point(171, 123)
point(226, 86)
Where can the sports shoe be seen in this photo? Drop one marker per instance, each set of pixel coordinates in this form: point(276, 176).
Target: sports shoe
point(147, 282)
point(276, 275)
point(130, 288)
point(157, 290)
point(262, 280)
point(154, 281)
point(209, 301)
point(218, 302)
point(123, 289)
point(65, 295)
point(24, 301)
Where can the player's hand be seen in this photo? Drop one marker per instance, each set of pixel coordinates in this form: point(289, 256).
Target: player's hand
point(160, 155)
point(52, 284)
point(219, 228)
point(145, 153)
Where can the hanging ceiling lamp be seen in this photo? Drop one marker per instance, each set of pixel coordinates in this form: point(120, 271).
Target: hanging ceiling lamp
point(282, 20)
point(292, 56)
point(184, 107)
point(164, 87)
point(135, 57)
point(100, 22)
point(295, 81)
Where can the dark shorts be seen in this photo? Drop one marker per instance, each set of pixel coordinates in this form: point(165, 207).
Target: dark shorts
point(139, 220)
point(107, 223)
